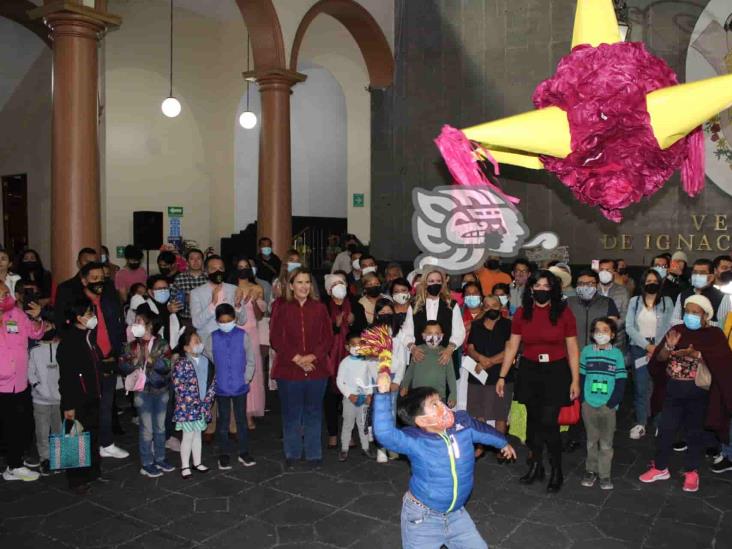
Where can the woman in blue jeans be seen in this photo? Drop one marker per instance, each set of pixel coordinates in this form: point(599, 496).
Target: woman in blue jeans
point(301, 335)
point(149, 355)
point(648, 319)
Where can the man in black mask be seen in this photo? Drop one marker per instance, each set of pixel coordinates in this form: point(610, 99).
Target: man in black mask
point(168, 265)
point(206, 298)
point(132, 273)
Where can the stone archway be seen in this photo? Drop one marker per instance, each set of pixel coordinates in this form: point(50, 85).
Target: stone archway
point(366, 32)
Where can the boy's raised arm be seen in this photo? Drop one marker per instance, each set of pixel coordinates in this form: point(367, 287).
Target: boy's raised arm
point(385, 428)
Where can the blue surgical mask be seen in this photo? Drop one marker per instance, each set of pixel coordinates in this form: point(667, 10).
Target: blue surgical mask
point(662, 271)
point(472, 301)
point(292, 265)
point(161, 296)
point(692, 321)
point(699, 281)
point(586, 293)
point(266, 250)
point(226, 327)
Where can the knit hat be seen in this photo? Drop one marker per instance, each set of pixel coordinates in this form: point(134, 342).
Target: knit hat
point(333, 279)
point(703, 302)
point(680, 256)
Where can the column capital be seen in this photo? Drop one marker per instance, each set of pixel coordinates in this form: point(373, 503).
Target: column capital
point(71, 17)
point(275, 78)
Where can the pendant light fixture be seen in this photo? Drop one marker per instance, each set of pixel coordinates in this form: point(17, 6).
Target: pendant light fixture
point(171, 106)
point(247, 119)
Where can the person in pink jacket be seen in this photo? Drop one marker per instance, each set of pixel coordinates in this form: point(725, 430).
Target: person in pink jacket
point(16, 408)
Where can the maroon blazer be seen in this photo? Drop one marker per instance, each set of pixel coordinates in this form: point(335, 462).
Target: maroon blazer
point(303, 330)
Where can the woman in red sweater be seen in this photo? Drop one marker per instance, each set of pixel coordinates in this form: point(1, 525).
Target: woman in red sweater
point(549, 370)
point(301, 334)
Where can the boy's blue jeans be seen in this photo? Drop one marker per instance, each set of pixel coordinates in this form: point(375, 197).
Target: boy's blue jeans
point(423, 528)
point(224, 405)
point(151, 409)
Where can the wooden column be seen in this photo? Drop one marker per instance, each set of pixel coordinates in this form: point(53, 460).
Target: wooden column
point(75, 207)
point(274, 203)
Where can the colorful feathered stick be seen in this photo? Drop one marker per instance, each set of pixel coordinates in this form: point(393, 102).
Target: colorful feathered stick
point(376, 342)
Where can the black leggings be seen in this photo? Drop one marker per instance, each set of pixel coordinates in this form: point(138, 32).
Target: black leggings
point(332, 402)
point(542, 428)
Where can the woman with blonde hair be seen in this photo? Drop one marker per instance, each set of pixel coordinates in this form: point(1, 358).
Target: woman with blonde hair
point(301, 334)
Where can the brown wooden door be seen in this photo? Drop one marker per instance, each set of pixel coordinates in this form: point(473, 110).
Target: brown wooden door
point(15, 212)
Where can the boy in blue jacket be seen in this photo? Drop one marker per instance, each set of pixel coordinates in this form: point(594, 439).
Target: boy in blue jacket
point(233, 355)
point(440, 447)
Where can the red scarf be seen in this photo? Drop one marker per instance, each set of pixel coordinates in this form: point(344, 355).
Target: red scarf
point(103, 341)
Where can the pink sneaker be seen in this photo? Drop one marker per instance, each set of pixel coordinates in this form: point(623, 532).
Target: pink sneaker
point(691, 481)
point(653, 474)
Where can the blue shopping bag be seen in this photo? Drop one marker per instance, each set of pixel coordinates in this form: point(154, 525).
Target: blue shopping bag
point(70, 451)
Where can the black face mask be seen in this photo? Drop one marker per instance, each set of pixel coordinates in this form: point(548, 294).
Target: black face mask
point(492, 265)
point(652, 288)
point(351, 248)
point(165, 271)
point(434, 289)
point(217, 277)
point(31, 265)
point(622, 271)
point(725, 277)
point(245, 274)
point(96, 287)
point(374, 291)
point(542, 296)
point(386, 319)
point(492, 314)
point(133, 265)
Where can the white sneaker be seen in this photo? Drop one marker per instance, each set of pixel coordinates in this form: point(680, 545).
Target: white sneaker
point(173, 444)
point(381, 456)
point(637, 432)
point(21, 473)
point(113, 451)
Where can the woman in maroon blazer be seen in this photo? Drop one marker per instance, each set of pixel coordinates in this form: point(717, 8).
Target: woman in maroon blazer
point(301, 335)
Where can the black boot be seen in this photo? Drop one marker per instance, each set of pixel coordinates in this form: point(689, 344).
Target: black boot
point(536, 471)
point(556, 479)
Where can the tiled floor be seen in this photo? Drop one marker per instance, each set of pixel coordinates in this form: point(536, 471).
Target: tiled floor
point(357, 503)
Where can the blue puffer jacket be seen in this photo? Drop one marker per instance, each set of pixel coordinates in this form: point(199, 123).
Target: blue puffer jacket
point(442, 465)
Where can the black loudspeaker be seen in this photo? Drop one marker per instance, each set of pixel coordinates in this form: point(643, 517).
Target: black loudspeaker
point(147, 230)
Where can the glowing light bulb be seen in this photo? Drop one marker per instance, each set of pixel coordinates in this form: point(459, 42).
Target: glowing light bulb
point(247, 120)
point(171, 107)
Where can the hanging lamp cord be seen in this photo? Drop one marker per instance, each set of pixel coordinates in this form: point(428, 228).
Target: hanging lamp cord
point(170, 94)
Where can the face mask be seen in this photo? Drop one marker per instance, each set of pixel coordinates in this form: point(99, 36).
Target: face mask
point(96, 287)
point(226, 327)
point(472, 301)
point(217, 277)
point(662, 271)
point(138, 330)
point(542, 296)
point(492, 314)
point(601, 339)
point(165, 271)
point(586, 293)
point(339, 291)
point(520, 278)
point(492, 264)
point(401, 298)
point(292, 265)
point(374, 291)
point(385, 319)
point(266, 250)
point(622, 271)
point(432, 340)
point(503, 299)
point(652, 288)
point(699, 281)
point(442, 420)
point(606, 277)
point(356, 264)
point(353, 351)
point(91, 323)
point(31, 265)
point(434, 289)
point(104, 258)
point(692, 321)
point(351, 248)
point(197, 349)
point(725, 277)
point(254, 271)
point(367, 270)
point(245, 274)
point(133, 265)
point(7, 303)
point(162, 295)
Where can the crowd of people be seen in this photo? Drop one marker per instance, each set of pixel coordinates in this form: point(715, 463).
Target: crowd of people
point(196, 346)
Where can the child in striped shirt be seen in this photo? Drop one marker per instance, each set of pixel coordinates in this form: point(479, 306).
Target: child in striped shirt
point(602, 378)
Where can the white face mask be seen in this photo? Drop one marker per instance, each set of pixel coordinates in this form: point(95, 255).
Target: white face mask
point(601, 339)
point(503, 299)
point(138, 330)
point(92, 323)
point(197, 349)
point(339, 291)
point(226, 327)
point(353, 350)
point(402, 298)
point(356, 264)
point(606, 277)
point(432, 340)
point(367, 270)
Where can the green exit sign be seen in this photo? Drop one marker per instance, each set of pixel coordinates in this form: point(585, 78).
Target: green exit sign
point(358, 200)
point(120, 252)
point(175, 211)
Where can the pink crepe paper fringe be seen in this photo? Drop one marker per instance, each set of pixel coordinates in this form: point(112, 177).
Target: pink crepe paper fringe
point(692, 171)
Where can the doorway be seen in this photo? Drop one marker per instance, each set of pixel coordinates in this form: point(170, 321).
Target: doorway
point(15, 212)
